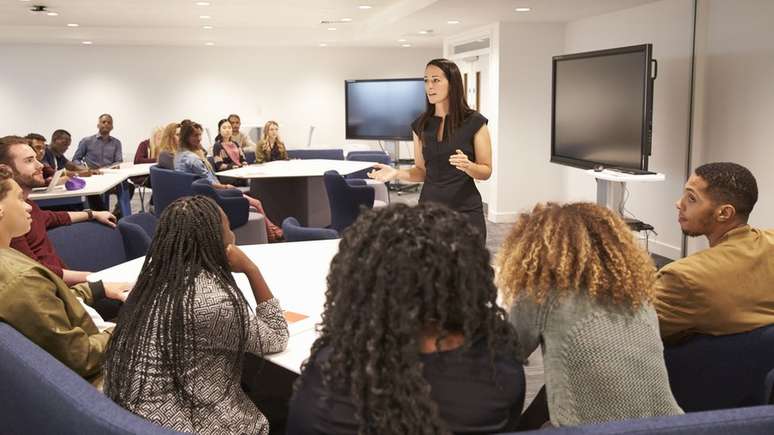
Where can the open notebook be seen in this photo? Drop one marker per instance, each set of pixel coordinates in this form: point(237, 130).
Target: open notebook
point(53, 184)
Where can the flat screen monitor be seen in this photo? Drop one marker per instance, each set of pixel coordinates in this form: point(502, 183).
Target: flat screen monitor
point(383, 109)
point(602, 108)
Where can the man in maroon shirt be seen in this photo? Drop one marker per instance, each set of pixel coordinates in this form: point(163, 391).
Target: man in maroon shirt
point(28, 173)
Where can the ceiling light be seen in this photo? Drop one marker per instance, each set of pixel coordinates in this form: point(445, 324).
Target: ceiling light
point(346, 20)
point(331, 28)
point(73, 25)
point(86, 42)
point(207, 27)
point(452, 22)
point(523, 9)
point(322, 44)
point(406, 45)
point(202, 3)
point(205, 17)
point(401, 40)
point(209, 44)
point(52, 14)
point(364, 7)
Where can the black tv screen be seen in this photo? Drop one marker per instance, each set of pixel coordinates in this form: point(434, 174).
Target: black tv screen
point(602, 105)
point(383, 109)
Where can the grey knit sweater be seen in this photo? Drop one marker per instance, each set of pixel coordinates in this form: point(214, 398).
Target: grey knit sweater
point(602, 362)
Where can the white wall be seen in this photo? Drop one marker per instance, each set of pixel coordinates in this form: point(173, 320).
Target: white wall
point(523, 175)
point(668, 26)
point(43, 88)
point(735, 47)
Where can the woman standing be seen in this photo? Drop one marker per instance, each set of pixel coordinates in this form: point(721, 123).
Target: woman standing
point(176, 355)
point(271, 147)
point(452, 147)
point(579, 285)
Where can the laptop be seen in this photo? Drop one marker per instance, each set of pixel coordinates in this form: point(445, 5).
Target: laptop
point(53, 184)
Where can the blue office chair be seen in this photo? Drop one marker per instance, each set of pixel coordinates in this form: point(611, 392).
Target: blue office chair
point(294, 232)
point(345, 198)
point(89, 246)
point(41, 395)
point(136, 240)
point(311, 153)
point(249, 156)
point(718, 372)
point(146, 221)
point(169, 185)
point(367, 156)
point(249, 227)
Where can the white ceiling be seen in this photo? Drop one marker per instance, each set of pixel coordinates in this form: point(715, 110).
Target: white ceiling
point(275, 23)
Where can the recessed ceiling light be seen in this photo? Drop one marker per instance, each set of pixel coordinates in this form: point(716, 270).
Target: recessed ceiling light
point(205, 17)
point(401, 40)
point(452, 22)
point(52, 14)
point(523, 9)
point(331, 28)
point(202, 3)
point(209, 44)
point(364, 7)
point(86, 42)
point(322, 44)
point(73, 25)
point(346, 20)
point(423, 32)
point(406, 45)
point(207, 27)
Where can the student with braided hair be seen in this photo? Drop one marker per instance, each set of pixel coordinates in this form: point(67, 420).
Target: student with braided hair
point(579, 285)
point(412, 340)
point(176, 356)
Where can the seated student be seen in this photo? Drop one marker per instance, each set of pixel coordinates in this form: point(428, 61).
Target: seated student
point(579, 285)
point(147, 152)
point(19, 156)
point(55, 158)
point(38, 143)
point(190, 158)
point(726, 289)
point(226, 154)
point(176, 355)
point(412, 339)
point(241, 139)
point(170, 140)
point(270, 147)
point(38, 304)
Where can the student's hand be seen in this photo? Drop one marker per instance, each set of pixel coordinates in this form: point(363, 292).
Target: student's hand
point(117, 290)
point(105, 218)
point(63, 179)
point(460, 161)
point(383, 173)
point(95, 172)
point(238, 260)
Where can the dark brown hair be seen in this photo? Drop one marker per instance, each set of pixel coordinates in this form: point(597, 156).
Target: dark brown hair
point(5, 147)
point(458, 107)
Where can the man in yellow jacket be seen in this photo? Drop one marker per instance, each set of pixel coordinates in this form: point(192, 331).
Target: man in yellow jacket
point(729, 287)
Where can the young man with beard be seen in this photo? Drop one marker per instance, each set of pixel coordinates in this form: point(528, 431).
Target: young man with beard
point(726, 289)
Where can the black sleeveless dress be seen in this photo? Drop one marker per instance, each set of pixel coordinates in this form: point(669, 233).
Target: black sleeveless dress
point(445, 184)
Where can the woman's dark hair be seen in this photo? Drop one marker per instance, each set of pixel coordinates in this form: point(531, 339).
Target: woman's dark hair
point(401, 269)
point(159, 318)
point(458, 106)
point(219, 138)
point(187, 129)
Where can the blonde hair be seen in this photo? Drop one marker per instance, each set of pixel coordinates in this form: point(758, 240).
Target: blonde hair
point(265, 133)
point(578, 247)
point(168, 140)
point(154, 142)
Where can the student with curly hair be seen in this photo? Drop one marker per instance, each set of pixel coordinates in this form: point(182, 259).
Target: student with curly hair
point(176, 355)
point(412, 339)
point(579, 285)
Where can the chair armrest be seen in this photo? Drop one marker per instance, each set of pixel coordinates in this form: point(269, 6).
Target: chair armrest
point(236, 208)
point(356, 182)
point(229, 193)
point(363, 195)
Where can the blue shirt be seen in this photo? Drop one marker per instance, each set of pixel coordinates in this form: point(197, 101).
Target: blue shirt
point(55, 161)
point(96, 152)
point(188, 162)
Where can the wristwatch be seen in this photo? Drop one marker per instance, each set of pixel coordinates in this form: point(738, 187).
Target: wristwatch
point(90, 213)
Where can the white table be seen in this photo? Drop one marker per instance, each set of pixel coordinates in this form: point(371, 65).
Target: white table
point(129, 169)
point(296, 274)
point(294, 187)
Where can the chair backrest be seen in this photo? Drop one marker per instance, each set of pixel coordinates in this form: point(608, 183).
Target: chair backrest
point(146, 221)
point(235, 206)
point(169, 185)
point(41, 395)
point(345, 200)
point(758, 420)
point(294, 232)
point(718, 372)
point(312, 153)
point(249, 156)
point(166, 161)
point(136, 240)
point(89, 246)
point(367, 156)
